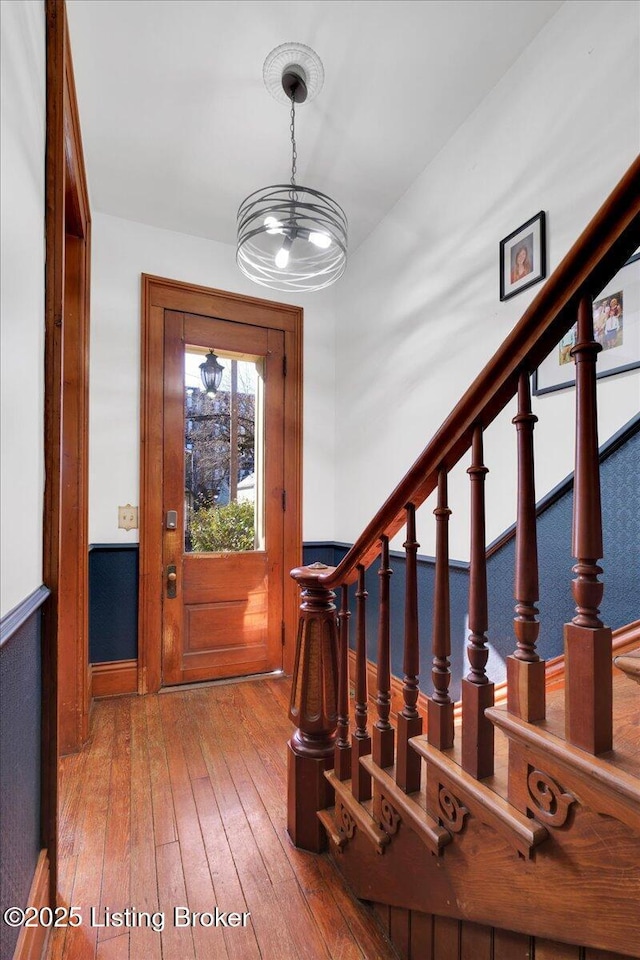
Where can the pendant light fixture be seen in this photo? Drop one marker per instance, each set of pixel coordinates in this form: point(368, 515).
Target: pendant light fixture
point(292, 238)
point(211, 373)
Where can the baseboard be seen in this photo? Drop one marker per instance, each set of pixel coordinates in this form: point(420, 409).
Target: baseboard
point(114, 678)
point(32, 942)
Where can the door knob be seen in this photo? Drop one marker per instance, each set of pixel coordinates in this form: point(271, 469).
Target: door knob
point(172, 579)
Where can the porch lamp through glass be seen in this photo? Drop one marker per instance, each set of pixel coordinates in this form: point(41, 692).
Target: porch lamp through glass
point(292, 238)
point(211, 373)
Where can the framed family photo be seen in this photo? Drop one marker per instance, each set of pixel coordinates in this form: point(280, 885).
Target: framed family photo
point(523, 257)
point(616, 327)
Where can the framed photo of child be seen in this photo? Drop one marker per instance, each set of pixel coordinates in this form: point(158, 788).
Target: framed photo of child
point(616, 327)
point(523, 257)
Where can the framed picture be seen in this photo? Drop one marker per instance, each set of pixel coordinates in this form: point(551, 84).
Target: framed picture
point(523, 257)
point(616, 326)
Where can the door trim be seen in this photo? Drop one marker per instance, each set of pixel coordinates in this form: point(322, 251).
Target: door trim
point(158, 295)
point(65, 666)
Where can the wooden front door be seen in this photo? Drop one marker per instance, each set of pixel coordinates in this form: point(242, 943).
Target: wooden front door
point(223, 500)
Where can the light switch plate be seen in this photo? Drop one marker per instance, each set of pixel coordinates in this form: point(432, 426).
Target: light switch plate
point(128, 517)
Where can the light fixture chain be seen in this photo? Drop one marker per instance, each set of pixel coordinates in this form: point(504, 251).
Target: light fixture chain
point(294, 152)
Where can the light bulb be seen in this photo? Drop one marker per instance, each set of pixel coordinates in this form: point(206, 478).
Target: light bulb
point(322, 240)
point(282, 256)
point(272, 225)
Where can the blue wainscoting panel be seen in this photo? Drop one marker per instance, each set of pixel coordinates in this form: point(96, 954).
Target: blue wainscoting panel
point(20, 718)
point(621, 525)
point(113, 602)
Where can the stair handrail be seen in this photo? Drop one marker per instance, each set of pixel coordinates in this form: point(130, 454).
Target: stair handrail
point(320, 699)
point(607, 242)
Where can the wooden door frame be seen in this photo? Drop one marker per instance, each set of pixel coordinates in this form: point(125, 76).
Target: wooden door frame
point(158, 295)
point(65, 661)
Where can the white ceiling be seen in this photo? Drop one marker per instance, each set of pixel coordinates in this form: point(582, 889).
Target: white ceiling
point(178, 127)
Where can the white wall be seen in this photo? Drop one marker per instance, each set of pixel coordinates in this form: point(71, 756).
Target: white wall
point(419, 313)
point(22, 298)
point(122, 250)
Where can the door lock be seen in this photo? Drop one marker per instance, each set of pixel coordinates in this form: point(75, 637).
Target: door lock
point(172, 581)
point(172, 520)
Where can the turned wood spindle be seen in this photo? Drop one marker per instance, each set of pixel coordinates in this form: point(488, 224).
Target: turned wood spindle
point(383, 733)
point(477, 691)
point(361, 741)
point(588, 678)
point(313, 709)
point(525, 669)
point(440, 706)
point(408, 762)
point(342, 763)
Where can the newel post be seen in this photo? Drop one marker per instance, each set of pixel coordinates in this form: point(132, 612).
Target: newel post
point(313, 709)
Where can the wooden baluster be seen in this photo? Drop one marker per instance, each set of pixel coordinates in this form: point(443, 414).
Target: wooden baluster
point(361, 741)
point(440, 706)
point(588, 678)
point(313, 709)
point(383, 733)
point(525, 669)
point(477, 691)
point(408, 765)
point(343, 743)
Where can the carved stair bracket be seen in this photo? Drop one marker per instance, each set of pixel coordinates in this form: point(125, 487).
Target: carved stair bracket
point(389, 817)
point(345, 824)
point(452, 811)
point(409, 807)
point(350, 814)
point(449, 786)
point(548, 800)
point(607, 790)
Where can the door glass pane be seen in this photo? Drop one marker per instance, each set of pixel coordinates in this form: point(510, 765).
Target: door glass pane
point(223, 451)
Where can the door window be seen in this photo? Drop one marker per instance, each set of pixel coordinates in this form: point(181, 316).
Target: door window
point(223, 456)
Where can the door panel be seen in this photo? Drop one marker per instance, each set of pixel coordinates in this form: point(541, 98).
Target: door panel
point(223, 476)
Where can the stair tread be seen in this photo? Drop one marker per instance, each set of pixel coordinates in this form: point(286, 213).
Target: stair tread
point(521, 831)
point(629, 663)
point(625, 755)
point(361, 812)
point(411, 806)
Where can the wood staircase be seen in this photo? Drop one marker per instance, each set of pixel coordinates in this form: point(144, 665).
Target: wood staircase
point(499, 830)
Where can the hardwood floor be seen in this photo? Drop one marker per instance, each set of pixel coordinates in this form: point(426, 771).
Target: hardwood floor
point(179, 800)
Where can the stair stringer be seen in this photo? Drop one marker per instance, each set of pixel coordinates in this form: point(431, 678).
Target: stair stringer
point(580, 886)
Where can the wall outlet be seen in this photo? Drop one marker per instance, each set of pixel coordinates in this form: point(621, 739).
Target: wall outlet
point(128, 517)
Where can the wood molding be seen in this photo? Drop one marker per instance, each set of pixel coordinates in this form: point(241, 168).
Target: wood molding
point(32, 941)
point(65, 667)
point(13, 620)
point(159, 294)
point(114, 678)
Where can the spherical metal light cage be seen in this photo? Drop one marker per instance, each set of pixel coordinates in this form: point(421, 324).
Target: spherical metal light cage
point(306, 222)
